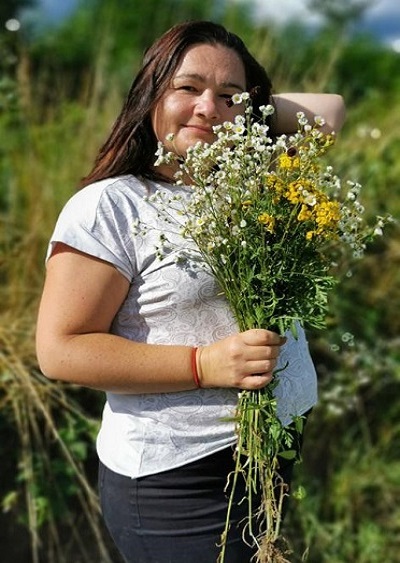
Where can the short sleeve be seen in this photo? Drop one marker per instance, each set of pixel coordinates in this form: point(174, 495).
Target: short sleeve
point(99, 220)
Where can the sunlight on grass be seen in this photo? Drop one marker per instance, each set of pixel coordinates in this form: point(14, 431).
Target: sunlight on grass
point(350, 511)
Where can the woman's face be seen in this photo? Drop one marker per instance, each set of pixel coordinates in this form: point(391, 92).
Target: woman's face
point(195, 99)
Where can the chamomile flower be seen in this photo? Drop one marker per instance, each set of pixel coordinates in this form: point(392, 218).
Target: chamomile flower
point(269, 218)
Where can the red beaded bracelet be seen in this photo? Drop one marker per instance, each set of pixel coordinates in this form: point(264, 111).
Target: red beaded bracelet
point(195, 373)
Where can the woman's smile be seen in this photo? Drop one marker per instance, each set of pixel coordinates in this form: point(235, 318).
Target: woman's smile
point(195, 100)
point(200, 128)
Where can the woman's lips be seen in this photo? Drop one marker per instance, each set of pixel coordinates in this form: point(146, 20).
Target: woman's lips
point(200, 129)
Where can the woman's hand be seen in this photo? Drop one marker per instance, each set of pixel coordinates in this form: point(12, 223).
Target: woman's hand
point(245, 360)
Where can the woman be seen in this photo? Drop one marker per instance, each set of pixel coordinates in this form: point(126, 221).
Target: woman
point(161, 342)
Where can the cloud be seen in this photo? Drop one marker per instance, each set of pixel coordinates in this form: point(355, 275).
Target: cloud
point(285, 10)
point(385, 8)
point(382, 18)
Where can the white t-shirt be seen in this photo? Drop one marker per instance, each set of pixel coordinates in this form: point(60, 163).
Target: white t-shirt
point(168, 303)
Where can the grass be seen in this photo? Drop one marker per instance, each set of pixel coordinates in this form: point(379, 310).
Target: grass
point(50, 488)
point(350, 467)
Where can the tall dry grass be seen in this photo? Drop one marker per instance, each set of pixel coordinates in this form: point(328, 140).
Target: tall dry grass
point(50, 427)
point(52, 431)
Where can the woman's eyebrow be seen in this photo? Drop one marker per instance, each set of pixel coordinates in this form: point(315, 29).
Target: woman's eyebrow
point(200, 78)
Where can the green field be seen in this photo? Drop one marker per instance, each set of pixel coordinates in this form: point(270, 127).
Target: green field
point(59, 94)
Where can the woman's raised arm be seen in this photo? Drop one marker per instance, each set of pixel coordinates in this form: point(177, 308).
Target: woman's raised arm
point(329, 106)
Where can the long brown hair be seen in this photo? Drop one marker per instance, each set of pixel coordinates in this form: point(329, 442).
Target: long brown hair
point(131, 145)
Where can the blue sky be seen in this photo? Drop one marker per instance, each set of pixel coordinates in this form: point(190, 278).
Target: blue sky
point(57, 9)
point(382, 18)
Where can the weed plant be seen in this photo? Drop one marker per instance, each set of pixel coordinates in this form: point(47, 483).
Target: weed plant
point(350, 470)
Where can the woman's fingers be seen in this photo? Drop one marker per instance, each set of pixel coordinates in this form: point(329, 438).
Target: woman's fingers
point(245, 360)
point(262, 337)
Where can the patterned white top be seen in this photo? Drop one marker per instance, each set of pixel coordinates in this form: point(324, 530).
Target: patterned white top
point(167, 303)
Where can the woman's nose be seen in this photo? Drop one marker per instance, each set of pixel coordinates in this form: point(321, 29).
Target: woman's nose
point(207, 105)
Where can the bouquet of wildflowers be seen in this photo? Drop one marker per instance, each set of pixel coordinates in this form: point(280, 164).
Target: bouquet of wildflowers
point(269, 219)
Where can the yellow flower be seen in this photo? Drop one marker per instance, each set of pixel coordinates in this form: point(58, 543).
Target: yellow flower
point(304, 214)
point(288, 162)
point(273, 182)
point(293, 194)
point(325, 141)
point(328, 214)
point(268, 221)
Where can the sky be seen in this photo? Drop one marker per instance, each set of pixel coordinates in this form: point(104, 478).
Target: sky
point(56, 10)
point(382, 18)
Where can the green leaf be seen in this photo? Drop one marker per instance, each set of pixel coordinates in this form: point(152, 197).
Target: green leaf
point(9, 501)
point(288, 454)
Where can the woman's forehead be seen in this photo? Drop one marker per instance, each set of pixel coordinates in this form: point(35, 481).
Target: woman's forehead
point(203, 61)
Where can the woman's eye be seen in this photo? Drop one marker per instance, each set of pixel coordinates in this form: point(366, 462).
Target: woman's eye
point(187, 88)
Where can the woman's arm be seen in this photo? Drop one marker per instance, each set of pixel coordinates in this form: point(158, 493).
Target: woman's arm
point(329, 106)
point(81, 297)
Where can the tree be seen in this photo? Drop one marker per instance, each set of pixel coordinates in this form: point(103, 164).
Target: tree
point(110, 37)
point(340, 14)
point(11, 8)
